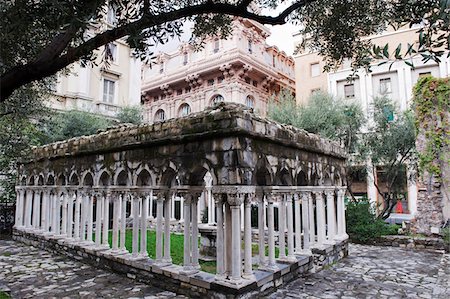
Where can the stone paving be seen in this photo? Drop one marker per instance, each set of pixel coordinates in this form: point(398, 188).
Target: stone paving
point(377, 272)
point(369, 272)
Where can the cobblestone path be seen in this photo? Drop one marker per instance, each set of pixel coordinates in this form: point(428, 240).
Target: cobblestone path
point(369, 272)
point(377, 272)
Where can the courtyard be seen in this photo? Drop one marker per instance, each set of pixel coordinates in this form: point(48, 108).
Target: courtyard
point(368, 272)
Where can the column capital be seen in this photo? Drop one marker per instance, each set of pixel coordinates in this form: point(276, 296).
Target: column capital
point(342, 191)
point(329, 193)
point(318, 194)
point(235, 199)
point(296, 197)
point(218, 198)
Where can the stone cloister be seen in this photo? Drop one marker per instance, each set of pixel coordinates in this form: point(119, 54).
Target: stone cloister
point(82, 195)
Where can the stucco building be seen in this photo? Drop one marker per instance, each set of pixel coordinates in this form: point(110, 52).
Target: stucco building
point(394, 81)
point(105, 87)
point(241, 69)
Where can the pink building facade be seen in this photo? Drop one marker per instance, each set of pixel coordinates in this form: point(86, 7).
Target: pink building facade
point(241, 69)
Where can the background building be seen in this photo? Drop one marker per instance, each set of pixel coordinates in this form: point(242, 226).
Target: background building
point(105, 87)
point(241, 69)
point(394, 81)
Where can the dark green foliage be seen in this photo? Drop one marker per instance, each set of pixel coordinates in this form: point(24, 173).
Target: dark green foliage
point(362, 224)
point(73, 123)
point(132, 115)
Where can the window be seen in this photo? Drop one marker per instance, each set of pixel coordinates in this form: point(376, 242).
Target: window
point(210, 82)
point(385, 86)
point(160, 115)
point(111, 17)
point(424, 74)
point(250, 46)
point(273, 60)
point(184, 110)
point(111, 52)
point(216, 45)
point(250, 101)
point(188, 89)
point(185, 58)
point(108, 91)
point(255, 83)
point(220, 79)
point(217, 99)
point(315, 69)
point(179, 92)
point(161, 67)
point(349, 91)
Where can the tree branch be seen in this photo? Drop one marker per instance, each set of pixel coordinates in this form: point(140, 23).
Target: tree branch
point(46, 66)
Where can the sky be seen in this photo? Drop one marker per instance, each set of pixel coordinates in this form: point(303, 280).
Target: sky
point(281, 35)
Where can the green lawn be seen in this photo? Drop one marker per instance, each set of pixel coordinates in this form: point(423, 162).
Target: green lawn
point(177, 248)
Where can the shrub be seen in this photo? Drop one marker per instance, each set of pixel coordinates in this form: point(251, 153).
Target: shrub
point(132, 115)
point(362, 224)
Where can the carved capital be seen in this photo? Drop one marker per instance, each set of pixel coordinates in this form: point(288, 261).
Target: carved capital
point(235, 199)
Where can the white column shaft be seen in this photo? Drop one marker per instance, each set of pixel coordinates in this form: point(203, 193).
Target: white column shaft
point(290, 227)
point(187, 239)
point(116, 214)
point(261, 232)
point(305, 222)
point(298, 227)
point(235, 243)
point(123, 221)
point(144, 215)
point(247, 240)
point(271, 232)
point(282, 227)
point(331, 217)
point(135, 213)
point(70, 215)
point(194, 242)
point(220, 242)
point(159, 229)
point(98, 220)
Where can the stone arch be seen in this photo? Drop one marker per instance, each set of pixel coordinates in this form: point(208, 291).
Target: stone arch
point(88, 179)
point(327, 180)
point(31, 180)
point(122, 177)
point(50, 180)
point(143, 178)
point(263, 174)
point(197, 175)
point(302, 178)
point(104, 179)
point(160, 115)
point(284, 177)
point(74, 179)
point(168, 177)
point(40, 181)
point(61, 180)
point(314, 178)
point(337, 179)
point(23, 181)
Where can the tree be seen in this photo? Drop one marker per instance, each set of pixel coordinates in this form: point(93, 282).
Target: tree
point(324, 115)
point(390, 143)
point(72, 123)
point(132, 115)
point(41, 38)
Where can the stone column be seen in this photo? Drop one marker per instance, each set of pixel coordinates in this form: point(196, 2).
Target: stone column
point(84, 215)
point(159, 229)
point(36, 208)
point(151, 204)
point(28, 208)
point(182, 208)
point(135, 212)
point(320, 209)
point(228, 233)
point(210, 205)
point(235, 201)
point(261, 231)
point(312, 233)
point(172, 207)
point(89, 206)
point(64, 214)
point(194, 241)
point(18, 215)
point(305, 223)
point(298, 225)
point(342, 235)
point(98, 219)
point(76, 229)
point(106, 220)
point(187, 265)
point(44, 211)
point(116, 215)
point(271, 232)
point(50, 204)
point(220, 264)
point(53, 198)
point(57, 201)
point(248, 273)
point(290, 228)
point(71, 195)
point(331, 217)
point(168, 206)
point(123, 221)
point(144, 215)
point(282, 226)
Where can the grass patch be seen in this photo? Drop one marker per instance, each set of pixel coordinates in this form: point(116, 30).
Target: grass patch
point(4, 295)
point(6, 254)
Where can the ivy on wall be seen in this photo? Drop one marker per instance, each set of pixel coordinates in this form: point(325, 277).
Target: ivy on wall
point(432, 107)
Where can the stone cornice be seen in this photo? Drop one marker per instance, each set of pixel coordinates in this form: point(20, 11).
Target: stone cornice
point(223, 120)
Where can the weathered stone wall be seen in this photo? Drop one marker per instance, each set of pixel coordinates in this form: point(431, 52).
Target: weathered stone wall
point(411, 242)
point(195, 286)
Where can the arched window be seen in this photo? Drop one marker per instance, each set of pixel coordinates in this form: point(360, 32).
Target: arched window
point(160, 115)
point(217, 99)
point(184, 110)
point(250, 101)
point(216, 45)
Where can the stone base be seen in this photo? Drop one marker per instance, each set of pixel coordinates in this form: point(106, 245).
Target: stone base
point(410, 242)
point(194, 285)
